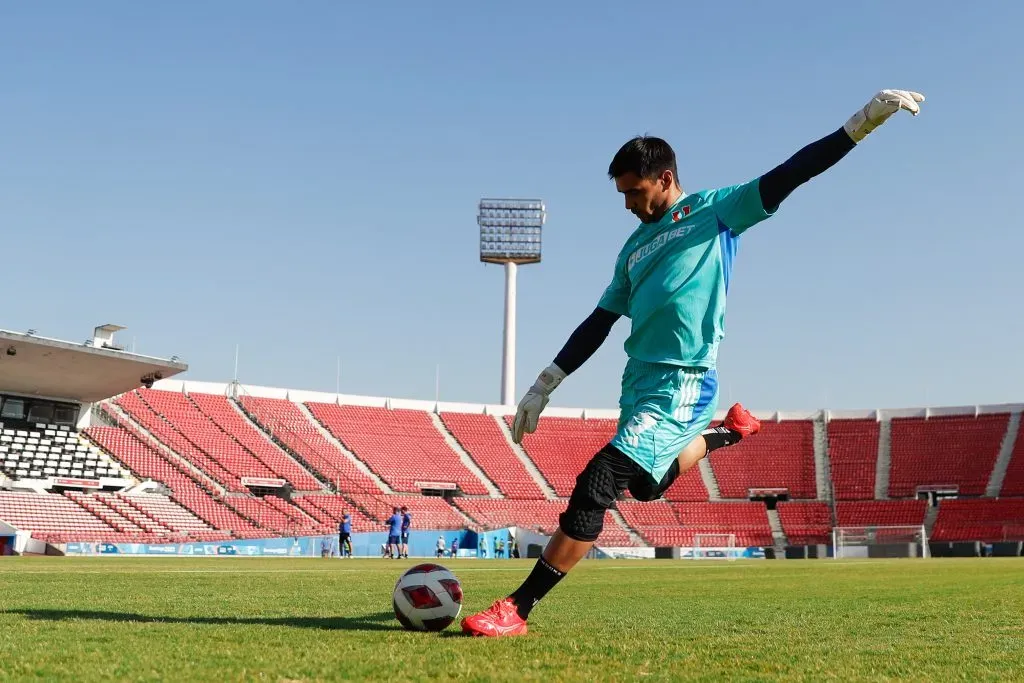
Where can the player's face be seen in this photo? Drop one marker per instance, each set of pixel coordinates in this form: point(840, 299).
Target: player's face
point(646, 198)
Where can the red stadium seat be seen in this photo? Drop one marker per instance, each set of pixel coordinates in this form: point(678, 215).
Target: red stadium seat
point(780, 456)
point(805, 523)
point(951, 451)
point(853, 456)
point(483, 439)
point(561, 447)
point(537, 515)
point(401, 446)
point(290, 426)
point(668, 524)
point(990, 520)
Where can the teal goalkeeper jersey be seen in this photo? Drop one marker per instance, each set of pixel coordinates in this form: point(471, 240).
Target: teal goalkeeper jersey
point(671, 277)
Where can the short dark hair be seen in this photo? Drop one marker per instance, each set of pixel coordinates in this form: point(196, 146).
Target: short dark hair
point(646, 156)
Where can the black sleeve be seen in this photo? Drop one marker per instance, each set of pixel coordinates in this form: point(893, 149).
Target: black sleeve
point(585, 340)
point(813, 159)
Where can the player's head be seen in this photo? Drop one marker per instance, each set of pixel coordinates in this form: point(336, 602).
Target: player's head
point(644, 171)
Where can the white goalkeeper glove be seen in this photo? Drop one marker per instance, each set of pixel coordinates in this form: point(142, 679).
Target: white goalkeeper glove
point(881, 107)
point(534, 402)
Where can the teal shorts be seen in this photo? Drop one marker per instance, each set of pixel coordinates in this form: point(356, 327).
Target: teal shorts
point(663, 408)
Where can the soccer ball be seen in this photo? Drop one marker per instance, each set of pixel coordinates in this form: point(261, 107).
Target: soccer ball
point(428, 597)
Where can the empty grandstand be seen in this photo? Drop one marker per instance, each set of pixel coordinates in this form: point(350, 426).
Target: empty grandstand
point(181, 461)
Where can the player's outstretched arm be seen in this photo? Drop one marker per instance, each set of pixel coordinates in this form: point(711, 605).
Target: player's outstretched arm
point(583, 342)
point(821, 155)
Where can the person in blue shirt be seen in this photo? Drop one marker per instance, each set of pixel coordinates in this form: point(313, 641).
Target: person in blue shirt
point(670, 280)
point(406, 523)
point(394, 525)
point(345, 535)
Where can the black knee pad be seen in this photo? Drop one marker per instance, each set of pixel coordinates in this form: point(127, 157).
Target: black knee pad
point(645, 489)
point(596, 489)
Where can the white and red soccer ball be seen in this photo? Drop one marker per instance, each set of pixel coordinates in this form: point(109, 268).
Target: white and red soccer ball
point(428, 597)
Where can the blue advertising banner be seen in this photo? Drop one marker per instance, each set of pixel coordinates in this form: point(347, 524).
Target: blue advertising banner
point(421, 544)
point(305, 546)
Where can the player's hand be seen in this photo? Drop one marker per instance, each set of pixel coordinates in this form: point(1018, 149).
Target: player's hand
point(534, 401)
point(881, 107)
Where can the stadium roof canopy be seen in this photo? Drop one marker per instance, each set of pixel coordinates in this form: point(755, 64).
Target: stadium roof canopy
point(51, 368)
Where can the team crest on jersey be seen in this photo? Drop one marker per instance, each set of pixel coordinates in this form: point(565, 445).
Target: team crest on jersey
point(681, 213)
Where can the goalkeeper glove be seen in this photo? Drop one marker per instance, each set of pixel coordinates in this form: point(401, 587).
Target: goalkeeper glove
point(881, 107)
point(534, 402)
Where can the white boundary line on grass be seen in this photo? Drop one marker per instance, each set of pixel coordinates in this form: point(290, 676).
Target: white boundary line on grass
point(681, 564)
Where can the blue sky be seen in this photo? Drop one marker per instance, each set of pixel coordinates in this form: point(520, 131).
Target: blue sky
point(301, 179)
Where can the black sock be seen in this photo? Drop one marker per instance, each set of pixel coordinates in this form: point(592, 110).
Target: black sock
point(720, 437)
point(542, 579)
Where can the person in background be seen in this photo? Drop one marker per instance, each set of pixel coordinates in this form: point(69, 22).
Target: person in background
point(406, 523)
point(441, 545)
point(483, 545)
point(499, 547)
point(345, 535)
point(455, 547)
point(394, 525)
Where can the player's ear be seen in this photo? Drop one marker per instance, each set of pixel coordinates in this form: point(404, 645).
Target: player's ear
point(667, 179)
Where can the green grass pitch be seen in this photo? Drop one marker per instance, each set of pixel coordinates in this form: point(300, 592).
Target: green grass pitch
point(315, 619)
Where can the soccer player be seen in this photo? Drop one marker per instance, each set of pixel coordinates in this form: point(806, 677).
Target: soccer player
point(671, 280)
point(406, 523)
point(345, 535)
point(394, 525)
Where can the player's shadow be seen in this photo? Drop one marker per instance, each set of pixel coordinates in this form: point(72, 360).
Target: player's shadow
point(380, 621)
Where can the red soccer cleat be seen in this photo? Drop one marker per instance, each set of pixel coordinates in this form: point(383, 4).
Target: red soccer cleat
point(739, 420)
point(500, 619)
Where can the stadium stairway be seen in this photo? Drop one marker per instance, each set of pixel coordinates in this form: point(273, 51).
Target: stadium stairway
point(1013, 481)
point(822, 465)
point(710, 480)
point(164, 431)
point(333, 440)
point(634, 536)
point(258, 429)
point(884, 464)
point(464, 456)
point(122, 418)
point(403, 446)
point(274, 438)
point(995, 482)
point(224, 414)
point(530, 466)
point(929, 519)
point(779, 541)
point(286, 424)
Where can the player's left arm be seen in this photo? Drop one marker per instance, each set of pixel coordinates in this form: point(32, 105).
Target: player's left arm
point(821, 155)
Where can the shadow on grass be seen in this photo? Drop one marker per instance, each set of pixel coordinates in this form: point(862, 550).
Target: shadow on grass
point(381, 621)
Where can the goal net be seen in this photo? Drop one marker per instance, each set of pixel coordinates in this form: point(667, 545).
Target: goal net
point(715, 547)
point(879, 541)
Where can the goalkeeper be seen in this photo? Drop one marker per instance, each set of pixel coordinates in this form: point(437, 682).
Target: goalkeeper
point(670, 280)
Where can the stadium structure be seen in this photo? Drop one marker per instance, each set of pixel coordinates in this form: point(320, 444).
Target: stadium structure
point(102, 450)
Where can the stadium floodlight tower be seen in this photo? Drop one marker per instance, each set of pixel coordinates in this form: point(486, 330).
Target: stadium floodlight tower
point(510, 234)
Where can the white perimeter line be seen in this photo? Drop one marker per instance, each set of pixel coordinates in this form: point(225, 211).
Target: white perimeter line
point(682, 564)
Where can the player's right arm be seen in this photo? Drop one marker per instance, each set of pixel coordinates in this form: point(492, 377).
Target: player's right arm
point(585, 340)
